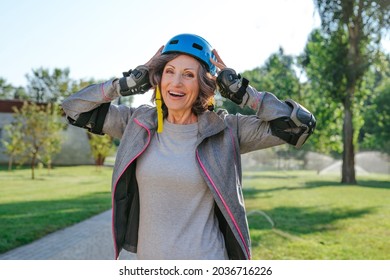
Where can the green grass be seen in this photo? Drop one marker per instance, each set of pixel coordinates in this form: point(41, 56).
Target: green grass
point(316, 217)
point(30, 209)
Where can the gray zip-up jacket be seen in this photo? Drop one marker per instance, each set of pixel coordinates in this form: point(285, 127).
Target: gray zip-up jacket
point(222, 138)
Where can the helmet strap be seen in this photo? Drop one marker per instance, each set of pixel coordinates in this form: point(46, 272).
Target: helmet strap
point(159, 110)
point(211, 104)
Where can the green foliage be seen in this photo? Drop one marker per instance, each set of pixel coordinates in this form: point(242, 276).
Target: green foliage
point(37, 127)
point(5, 89)
point(8, 91)
point(278, 76)
point(368, 17)
point(50, 86)
point(363, 22)
point(375, 106)
point(324, 61)
point(351, 32)
point(101, 147)
point(326, 88)
point(376, 130)
point(232, 107)
point(327, 137)
point(13, 142)
point(53, 127)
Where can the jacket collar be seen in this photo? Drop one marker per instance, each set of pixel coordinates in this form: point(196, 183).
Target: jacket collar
point(210, 123)
point(147, 115)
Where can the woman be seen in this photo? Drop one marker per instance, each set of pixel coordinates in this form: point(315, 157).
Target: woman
point(177, 190)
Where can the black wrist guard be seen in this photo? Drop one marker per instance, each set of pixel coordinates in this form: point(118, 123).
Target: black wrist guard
point(231, 86)
point(135, 81)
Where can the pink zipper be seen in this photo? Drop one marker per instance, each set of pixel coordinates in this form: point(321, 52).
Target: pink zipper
point(224, 204)
point(114, 189)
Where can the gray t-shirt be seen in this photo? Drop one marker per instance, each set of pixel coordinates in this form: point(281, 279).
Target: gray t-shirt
point(177, 219)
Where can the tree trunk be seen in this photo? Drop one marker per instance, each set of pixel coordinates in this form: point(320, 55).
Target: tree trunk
point(348, 168)
point(353, 73)
point(99, 160)
point(10, 161)
point(33, 167)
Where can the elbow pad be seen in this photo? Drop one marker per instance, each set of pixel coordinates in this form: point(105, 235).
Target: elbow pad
point(93, 120)
point(294, 129)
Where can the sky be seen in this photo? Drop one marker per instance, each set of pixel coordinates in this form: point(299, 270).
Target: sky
point(101, 39)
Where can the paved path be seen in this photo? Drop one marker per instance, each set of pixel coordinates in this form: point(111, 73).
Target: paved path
point(88, 240)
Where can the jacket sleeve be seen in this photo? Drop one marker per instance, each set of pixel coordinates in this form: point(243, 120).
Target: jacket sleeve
point(254, 132)
point(90, 100)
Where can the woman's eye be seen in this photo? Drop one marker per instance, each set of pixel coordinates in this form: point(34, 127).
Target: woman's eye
point(189, 75)
point(169, 71)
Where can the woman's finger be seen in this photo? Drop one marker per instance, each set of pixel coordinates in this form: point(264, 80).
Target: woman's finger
point(157, 54)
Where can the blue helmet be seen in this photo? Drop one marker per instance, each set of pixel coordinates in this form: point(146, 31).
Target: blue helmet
point(193, 45)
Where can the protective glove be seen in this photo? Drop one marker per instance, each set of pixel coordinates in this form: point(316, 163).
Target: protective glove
point(231, 86)
point(135, 81)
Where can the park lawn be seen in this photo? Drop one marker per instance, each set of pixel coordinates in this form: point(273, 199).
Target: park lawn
point(30, 209)
point(316, 217)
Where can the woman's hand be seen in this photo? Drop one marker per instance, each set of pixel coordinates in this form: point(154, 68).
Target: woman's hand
point(229, 84)
point(219, 62)
point(157, 54)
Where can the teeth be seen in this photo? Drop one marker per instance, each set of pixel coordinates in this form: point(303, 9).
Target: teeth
point(176, 93)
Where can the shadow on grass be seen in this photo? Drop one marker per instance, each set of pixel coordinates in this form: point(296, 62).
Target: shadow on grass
point(250, 192)
point(257, 192)
point(24, 222)
point(378, 184)
point(304, 220)
point(263, 176)
point(374, 184)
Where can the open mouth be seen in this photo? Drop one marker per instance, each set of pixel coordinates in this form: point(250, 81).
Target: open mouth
point(176, 94)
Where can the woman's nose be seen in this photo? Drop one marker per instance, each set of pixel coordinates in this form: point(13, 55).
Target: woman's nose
point(177, 80)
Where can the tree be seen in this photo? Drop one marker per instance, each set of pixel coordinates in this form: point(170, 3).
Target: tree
point(376, 132)
point(7, 91)
point(39, 125)
point(362, 23)
point(50, 86)
point(53, 126)
point(13, 143)
point(277, 75)
point(325, 88)
point(101, 147)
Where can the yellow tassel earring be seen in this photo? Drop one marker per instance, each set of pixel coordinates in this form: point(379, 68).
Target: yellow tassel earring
point(211, 103)
point(159, 110)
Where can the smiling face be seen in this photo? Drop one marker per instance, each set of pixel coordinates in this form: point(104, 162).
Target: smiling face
point(180, 85)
